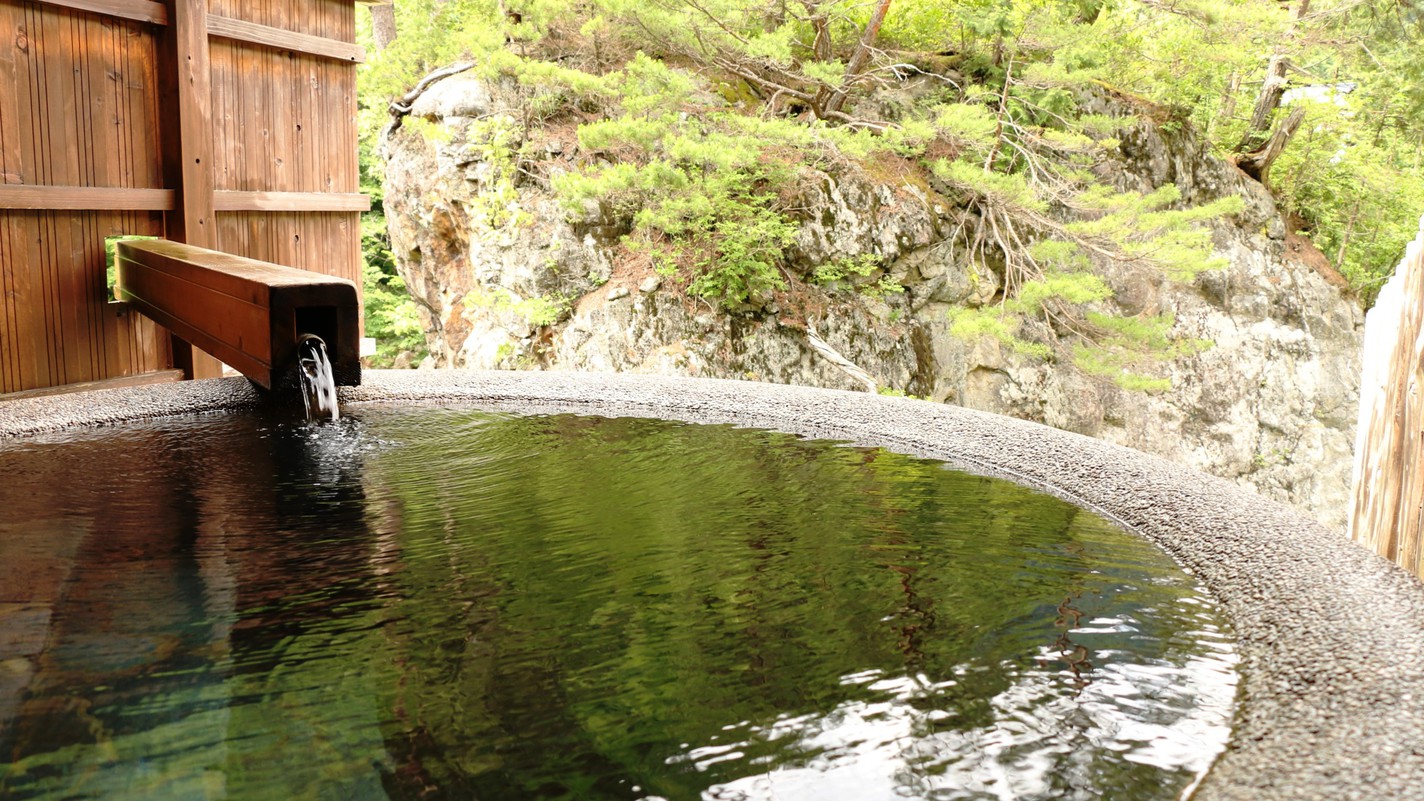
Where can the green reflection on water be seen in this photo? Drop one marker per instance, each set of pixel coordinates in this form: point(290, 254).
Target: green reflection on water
point(442, 603)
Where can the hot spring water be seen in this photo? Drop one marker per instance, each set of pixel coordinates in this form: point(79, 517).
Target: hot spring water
point(317, 382)
point(441, 603)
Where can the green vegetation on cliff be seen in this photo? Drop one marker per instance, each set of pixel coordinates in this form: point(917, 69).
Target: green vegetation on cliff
point(696, 118)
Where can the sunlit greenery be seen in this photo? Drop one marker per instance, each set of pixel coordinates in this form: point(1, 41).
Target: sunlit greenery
point(694, 117)
point(391, 316)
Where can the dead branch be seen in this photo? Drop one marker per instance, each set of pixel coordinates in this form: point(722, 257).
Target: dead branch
point(861, 58)
point(1267, 101)
point(1257, 163)
point(1272, 90)
point(840, 362)
point(400, 108)
point(786, 86)
point(1003, 112)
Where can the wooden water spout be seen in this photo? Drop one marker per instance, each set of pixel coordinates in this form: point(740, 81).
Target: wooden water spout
point(248, 313)
point(1388, 513)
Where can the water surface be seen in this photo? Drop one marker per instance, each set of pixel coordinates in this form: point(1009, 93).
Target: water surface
point(442, 603)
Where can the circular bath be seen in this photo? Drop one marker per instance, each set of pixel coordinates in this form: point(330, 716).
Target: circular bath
point(1330, 637)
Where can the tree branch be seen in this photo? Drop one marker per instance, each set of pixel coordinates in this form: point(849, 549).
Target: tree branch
point(1257, 163)
point(841, 363)
point(862, 53)
point(400, 108)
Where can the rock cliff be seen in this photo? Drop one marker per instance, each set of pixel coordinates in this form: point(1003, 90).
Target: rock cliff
point(507, 277)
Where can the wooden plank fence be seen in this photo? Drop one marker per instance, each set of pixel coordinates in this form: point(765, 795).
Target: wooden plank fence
point(228, 124)
point(1388, 513)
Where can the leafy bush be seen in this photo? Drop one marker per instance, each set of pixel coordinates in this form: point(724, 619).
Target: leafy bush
point(1014, 132)
point(391, 315)
point(698, 192)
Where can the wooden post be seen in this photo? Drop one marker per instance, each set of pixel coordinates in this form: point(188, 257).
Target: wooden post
point(184, 79)
point(1388, 511)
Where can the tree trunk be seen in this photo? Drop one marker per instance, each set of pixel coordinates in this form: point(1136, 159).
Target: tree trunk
point(999, 123)
point(1267, 101)
point(862, 53)
point(1228, 103)
point(1257, 150)
point(1257, 163)
point(383, 25)
point(821, 46)
point(1345, 240)
point(821, 49)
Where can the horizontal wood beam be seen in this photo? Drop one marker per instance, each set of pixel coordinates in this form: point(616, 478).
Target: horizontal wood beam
point(138, 10)
point(230, 200)
point(75, 198)
point(245, 312)
point(268, 36)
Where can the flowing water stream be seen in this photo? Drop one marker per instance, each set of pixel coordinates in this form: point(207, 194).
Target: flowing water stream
point(318, 383)
point(444, 603)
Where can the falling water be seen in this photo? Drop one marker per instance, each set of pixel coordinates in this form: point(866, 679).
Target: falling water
point(314, 372)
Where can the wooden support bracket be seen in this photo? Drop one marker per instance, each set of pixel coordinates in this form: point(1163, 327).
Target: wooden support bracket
point(247, 313)
point(137, 10)
point(268, 36)
point(232, 200)
point(71, 198)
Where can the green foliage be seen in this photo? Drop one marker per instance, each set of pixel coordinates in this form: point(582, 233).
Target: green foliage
point(541, 311)
point(431, 34)
point(1015, 132)
point(995, 188)
point(858, 266)
point(699, 192)
point(1119, 367)
point(1355, 158)
point(1343, 189)
point(493, 141)
point(431, 132)
point(743, 247)
point(1131, 348)
point(1075, 288)
point(1142, 227)
point(995, 322)
point(538, 311)
point(392, 318)
point(1048, 263)
point(882, 286)
point(649, 87)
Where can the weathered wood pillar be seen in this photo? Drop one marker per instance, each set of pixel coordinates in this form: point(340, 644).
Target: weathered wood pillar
point(184, 79)
point(1388, 513)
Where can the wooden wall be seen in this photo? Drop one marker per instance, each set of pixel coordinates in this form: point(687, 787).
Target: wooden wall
point(284, 121)
point(104, 131)
point(78, 107)
point(1388, 513)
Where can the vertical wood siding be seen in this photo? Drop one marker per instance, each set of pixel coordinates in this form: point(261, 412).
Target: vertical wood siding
point(79, 107)
point(76, 109)
point(285, 121)
point(1388, 514)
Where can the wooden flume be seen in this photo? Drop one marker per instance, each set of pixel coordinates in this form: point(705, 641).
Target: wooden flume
point(248, 313)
